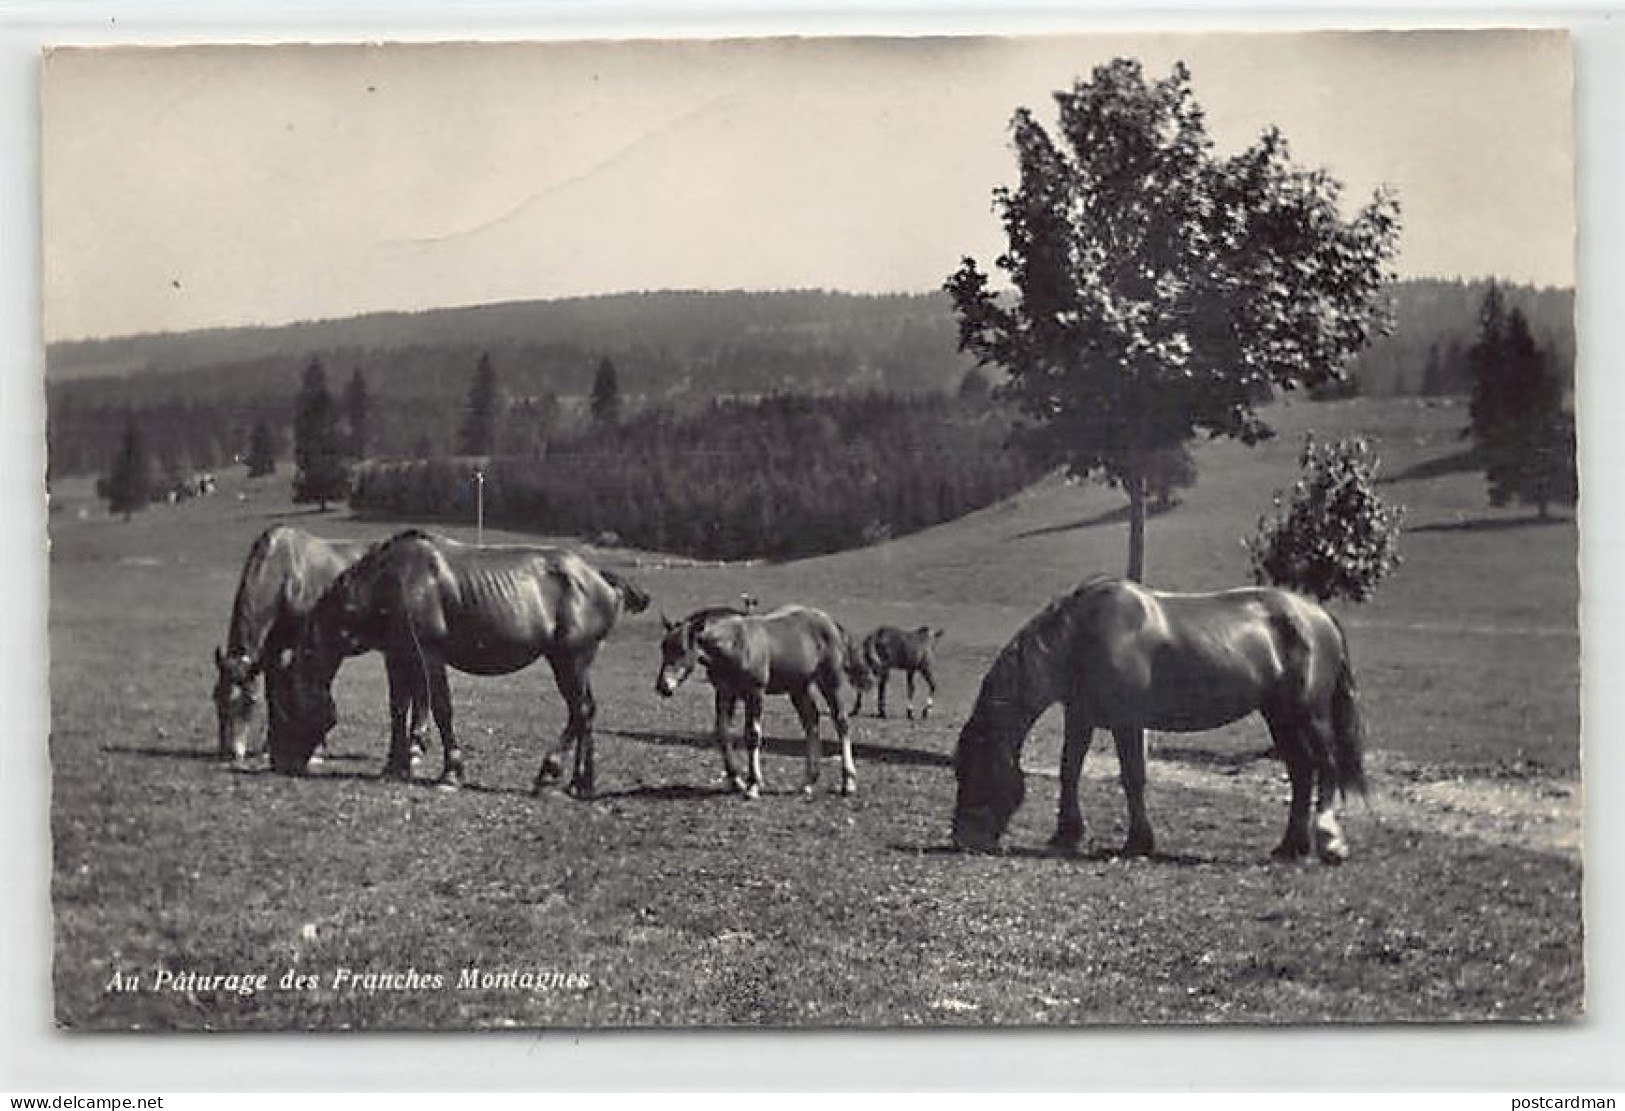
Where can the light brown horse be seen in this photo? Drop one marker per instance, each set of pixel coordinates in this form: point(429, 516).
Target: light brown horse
point(285, 574)
point(791, 651)
point(428, 602)
point(1121, 657)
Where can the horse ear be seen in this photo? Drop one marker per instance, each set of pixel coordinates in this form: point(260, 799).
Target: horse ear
point(667, 623)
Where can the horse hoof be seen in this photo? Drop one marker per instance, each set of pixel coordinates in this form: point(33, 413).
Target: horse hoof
point(807, 792)
point(1334, 853)
point(1138, 847)
point(909, 713)
point(579, 790)
point(1064, 842)
point(849, 787)
point(754, 791)
point(1290, 854)
point(396, 772)
point(450, 781)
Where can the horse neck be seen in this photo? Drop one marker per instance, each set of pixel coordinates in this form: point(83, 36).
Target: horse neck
point(1018, 688)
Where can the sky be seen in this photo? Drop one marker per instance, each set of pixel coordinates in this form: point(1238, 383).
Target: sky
point(212, 186)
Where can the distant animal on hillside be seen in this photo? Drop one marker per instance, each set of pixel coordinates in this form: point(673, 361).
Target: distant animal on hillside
point(427, 603)
point(792, 650)
point(908, 651)
point(285, 574)
point(1119, 656)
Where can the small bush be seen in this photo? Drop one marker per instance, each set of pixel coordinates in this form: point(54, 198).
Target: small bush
point(1331, 536)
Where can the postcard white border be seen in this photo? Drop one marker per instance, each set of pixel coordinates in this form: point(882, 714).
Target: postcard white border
point(35, 1058)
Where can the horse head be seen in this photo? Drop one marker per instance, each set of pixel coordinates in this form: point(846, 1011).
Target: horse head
point(678, 655)
point(991, 786)
point(235, 695)
point(303, 712)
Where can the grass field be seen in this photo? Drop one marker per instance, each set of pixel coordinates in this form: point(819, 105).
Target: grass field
point(669, 902)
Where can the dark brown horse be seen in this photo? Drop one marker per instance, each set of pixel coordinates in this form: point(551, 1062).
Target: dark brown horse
point(286, 572)
point(790, 651)
point(907, 650)
point(427, 603)
point(1119, 656)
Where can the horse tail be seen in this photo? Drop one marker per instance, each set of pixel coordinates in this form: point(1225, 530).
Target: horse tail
point(1348, 734)
point(634, 599)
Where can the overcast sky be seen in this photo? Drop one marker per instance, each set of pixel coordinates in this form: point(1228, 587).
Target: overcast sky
point(197, 187)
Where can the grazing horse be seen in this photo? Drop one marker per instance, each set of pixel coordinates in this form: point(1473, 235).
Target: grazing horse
point(908, 651)
point(428, 602)
point(746, 657)
point(286, 572)
point(1119, 656)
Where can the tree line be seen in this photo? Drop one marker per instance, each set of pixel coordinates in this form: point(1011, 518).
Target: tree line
point(776, 477)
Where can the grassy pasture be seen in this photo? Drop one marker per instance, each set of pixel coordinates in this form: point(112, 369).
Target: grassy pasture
point(679, 905)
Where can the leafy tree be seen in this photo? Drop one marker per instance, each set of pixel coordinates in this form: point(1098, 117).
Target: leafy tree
point(482, 413)
point(262, 450)
point(128, 488)
point(1332, 536)
point(320, 473)
point(606, 394)
point(1523, 436)
point(358, 415)
point(1160, 290)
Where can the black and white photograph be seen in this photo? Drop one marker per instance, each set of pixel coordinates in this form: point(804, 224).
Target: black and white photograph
point(996, 531)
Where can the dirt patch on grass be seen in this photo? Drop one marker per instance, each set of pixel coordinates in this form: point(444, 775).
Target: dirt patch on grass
point(1535, 814)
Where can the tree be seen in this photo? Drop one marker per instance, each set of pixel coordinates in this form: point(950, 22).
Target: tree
point(262, 450)
point(1160, 290)
point(606, 394)
point(358, 415)
point(128, 487)
point(1524, 437)
point(320, 473)
point(481, 415)
point(1332, 537)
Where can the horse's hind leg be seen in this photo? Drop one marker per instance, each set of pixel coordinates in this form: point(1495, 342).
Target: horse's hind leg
point(930, 688)
point(1330, 843)
point(451, 772)
point(807, 713)
point(880, 692)
point(1069, 826)
point(1131, 771)
point(1292, 743)
point(830, 688)
point(908, 711)
point(570, 675)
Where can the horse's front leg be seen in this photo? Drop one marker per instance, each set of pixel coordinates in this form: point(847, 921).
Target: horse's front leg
point(451, 771)
point(726, 702)
point(909, 710)
point(1069, 825)
point(405, 700)
point(930, 689)
point(880, 692)
point(1131, 771)
point(753, 738)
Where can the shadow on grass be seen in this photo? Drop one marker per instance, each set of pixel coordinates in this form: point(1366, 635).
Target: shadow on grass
point(195, 755)
point(1110, 517)
point(1198, 756)
point(1044, 852)
point(1492, 524)
point(1459, 463)
point(862, 751)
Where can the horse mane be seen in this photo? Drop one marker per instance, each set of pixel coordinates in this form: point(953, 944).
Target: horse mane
point(242, 605)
